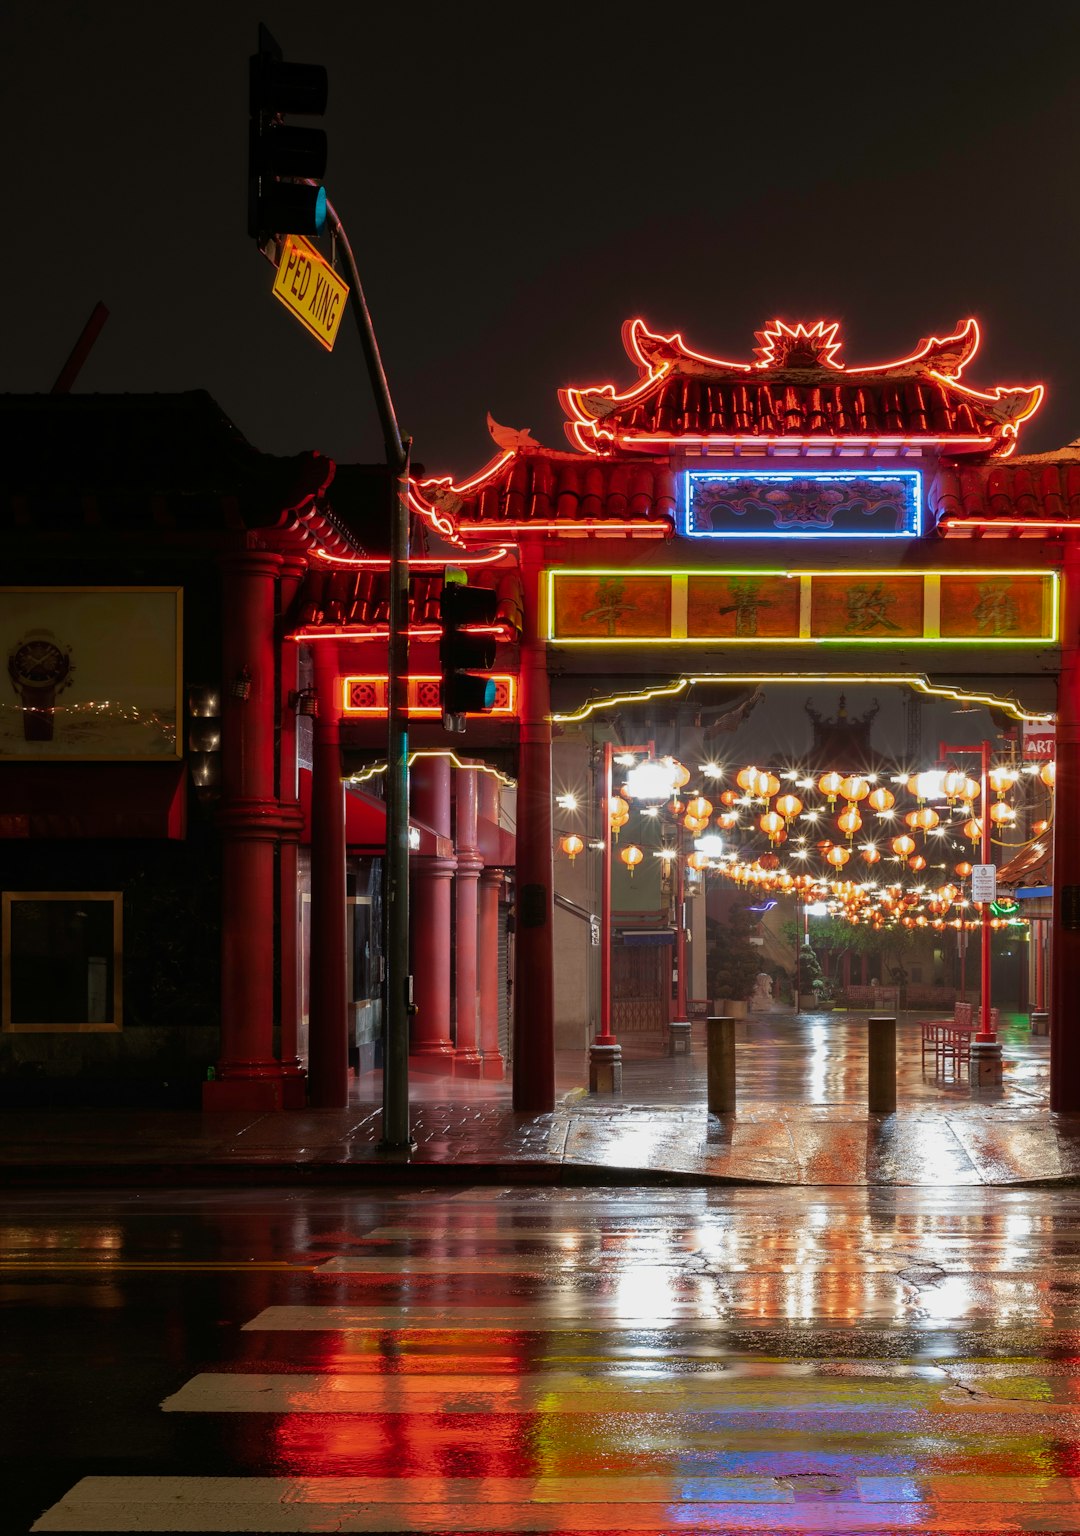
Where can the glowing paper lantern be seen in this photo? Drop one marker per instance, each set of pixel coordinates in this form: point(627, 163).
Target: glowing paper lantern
point(789, 806)
point(952, 784)
point(695, 823)
point(699, 807)
point(631, 856)
point(855, 788)
point(1001, 779)
point(1048, 774)
point(849, 821)
point(829, 784)
point(767, 785)
point(903, 845)
point(973, 828)
point(926, 817)
point(571, 844)
point(870, 854)
point(680, 773)
point(1001, 813)
point(971, 791)
point(746, 779)
point(772, 824)
point(727, 820)
point(963, 869)
point(838, 856)
point(916, 861)
point(881, 800)
point(729, 797)
point(927, 784)
point(698, 861)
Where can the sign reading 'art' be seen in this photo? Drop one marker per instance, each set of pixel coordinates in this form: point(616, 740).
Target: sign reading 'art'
point(853, 607)
point(871, 504)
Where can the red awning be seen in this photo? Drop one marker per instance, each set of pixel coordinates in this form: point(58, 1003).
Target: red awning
point(365, 823)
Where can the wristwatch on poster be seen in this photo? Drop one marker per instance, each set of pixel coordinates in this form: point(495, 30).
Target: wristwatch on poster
point(39, 667)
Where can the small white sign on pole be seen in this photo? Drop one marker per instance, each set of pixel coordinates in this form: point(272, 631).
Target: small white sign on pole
point(984, 882)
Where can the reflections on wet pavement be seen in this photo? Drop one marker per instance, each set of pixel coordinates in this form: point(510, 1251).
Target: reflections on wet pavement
point(749, 1359)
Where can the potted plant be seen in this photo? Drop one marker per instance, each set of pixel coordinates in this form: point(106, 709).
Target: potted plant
point(814, 989)
point(733, 965)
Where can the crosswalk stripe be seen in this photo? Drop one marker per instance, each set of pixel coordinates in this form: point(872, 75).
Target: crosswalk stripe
point(274, 1504)
point(568, 1392)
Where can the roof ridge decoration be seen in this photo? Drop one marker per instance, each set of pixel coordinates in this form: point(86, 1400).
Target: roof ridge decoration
point(802, 360)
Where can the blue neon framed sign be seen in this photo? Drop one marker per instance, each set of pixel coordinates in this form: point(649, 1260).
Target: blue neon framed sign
point(802, 504)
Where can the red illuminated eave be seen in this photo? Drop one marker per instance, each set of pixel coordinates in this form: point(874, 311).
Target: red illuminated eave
point(1026, 498)
point(797, 397)
point(534, 491)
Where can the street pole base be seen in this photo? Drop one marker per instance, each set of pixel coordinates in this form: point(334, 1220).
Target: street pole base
point(605, 1069)
point(984, 1067)
point(1040, 1023)
point(395, 1146)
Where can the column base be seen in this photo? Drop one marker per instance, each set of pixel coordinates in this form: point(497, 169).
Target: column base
point(294, 1092)
point(493, 1067)
point(245, 1094)
point(605, 1069)
point(984, 1068)
point(435, 1060)
point(468, 1064)
point(1040, 1023)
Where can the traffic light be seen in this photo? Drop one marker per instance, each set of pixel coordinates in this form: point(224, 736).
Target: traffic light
point(283, 161)
point(464, 656)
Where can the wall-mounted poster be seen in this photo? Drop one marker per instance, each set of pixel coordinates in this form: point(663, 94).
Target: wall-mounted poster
point(90, 672)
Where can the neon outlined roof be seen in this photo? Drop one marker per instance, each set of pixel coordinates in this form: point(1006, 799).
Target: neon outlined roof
point(797, 391)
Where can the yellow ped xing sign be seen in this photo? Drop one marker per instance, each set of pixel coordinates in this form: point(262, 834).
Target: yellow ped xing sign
point(310, 289)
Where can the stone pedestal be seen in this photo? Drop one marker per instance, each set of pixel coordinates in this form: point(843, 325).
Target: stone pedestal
point(1040, 1023)
point(679, 1037)
point(984, 1070)
point(605, 1069)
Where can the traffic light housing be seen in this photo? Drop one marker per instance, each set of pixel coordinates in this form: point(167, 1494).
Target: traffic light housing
point(285, 163)
point(464, 656)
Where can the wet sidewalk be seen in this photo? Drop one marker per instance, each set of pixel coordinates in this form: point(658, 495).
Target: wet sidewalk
point(801, 1119)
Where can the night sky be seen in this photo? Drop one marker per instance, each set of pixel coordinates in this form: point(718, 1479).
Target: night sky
point(516, 181)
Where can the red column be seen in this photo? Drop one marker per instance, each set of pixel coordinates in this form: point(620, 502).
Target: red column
point(328, 1042)
point(248, 1074)
point(469, 865)
point(1065, 946)
point(430, 1046)
point(534, 995)
point(294, 1086)
point(487, 940)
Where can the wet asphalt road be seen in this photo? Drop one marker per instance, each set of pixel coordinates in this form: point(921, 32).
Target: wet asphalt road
point(872, 1360)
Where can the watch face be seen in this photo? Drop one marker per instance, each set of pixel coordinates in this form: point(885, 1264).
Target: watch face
point(38, 664)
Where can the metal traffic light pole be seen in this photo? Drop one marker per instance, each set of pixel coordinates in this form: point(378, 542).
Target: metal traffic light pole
point(396, 1134)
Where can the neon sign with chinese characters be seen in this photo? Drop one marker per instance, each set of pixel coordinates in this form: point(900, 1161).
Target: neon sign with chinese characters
point(757, 607)
point(732, 504)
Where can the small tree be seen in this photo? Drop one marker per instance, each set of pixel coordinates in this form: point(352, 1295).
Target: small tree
point(733, 962)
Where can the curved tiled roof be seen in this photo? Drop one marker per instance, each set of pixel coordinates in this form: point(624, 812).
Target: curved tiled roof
point(796, 390)
point(1024, 491)
point(531, 487)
